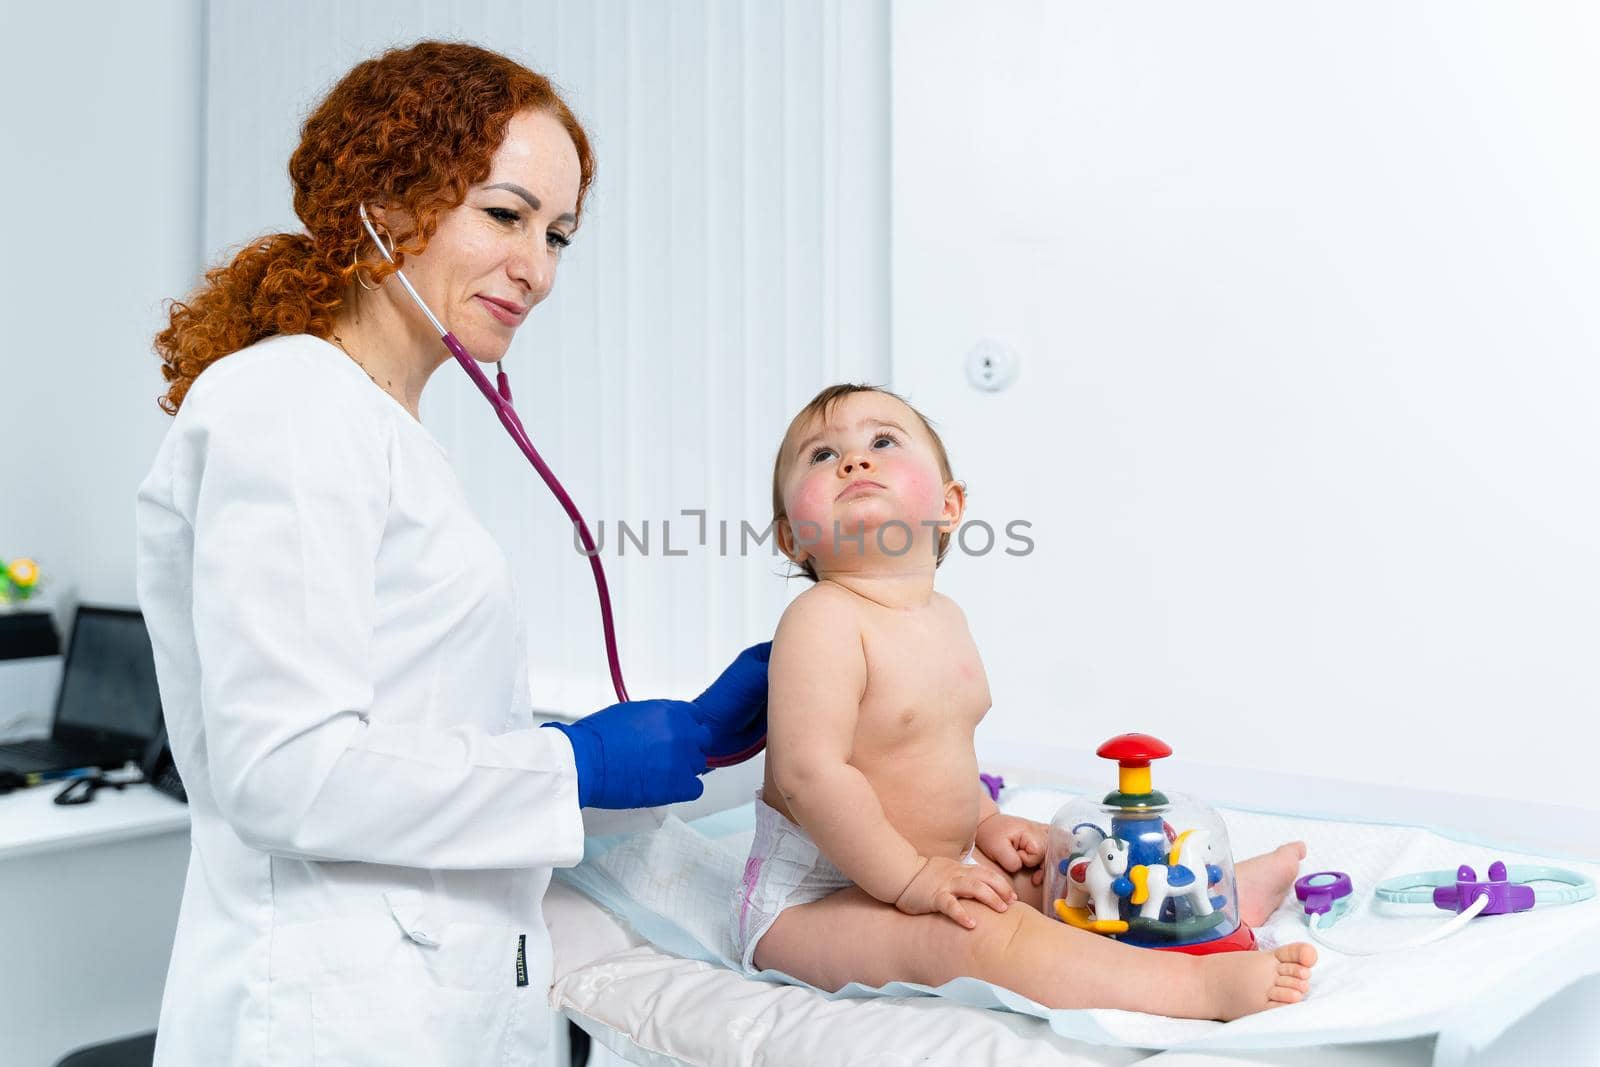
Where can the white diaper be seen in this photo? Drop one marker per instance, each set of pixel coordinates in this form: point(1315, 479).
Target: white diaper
point(785, 870)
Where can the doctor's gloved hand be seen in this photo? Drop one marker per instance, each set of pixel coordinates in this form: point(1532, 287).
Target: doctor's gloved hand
point(646, 753)
point(638, 755)
point(734, 707)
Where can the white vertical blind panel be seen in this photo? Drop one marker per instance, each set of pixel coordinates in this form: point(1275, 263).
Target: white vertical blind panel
point(733, 260)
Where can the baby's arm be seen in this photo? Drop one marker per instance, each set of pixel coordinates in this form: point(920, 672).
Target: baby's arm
point(816, 679)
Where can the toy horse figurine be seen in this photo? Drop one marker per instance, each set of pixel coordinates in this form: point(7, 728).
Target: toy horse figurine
point(1196, 850)
point(1179, 878)
point(1086, 837)
point(1105, 880)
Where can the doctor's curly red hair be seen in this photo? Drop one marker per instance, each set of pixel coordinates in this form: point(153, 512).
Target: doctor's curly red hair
point(413, 129)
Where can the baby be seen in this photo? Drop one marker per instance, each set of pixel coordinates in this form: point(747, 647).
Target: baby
point(878, 854)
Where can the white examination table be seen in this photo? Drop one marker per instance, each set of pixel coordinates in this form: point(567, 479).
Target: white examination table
point(658, 1009)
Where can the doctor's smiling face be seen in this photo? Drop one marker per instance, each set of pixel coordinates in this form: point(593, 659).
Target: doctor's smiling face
point(494, 256)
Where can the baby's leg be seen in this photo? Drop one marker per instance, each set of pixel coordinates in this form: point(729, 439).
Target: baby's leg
point(1264, 881)
point(850, 937)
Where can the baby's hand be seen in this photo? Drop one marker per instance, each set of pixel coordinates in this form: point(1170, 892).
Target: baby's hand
point(943, 883)
point(1013, 843)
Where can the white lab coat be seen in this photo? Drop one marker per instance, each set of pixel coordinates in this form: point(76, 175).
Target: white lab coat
point(344, 679)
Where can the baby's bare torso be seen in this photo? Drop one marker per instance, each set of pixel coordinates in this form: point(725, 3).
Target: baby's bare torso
point(926, 693)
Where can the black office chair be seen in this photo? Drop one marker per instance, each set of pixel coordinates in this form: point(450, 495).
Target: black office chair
point(578, 1041)
point(137, 1051)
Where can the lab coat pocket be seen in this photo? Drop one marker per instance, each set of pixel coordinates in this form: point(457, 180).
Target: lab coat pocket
point(410, 911)
point(405, 987)
point(400, 1022)
point(450, 999)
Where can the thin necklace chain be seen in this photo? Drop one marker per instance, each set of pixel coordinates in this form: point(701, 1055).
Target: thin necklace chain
point(340, 342)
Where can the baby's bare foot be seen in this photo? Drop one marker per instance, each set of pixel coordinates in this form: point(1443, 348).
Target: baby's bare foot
point(1243, 983)
point(1265, 880)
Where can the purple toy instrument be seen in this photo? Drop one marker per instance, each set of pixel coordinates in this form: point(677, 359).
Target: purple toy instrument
point(1326, 897)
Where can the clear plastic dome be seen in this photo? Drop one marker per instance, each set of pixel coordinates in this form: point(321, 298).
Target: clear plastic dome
point(1142, 866)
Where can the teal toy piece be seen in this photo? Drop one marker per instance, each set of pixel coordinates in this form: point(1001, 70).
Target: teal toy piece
point(1507, 888)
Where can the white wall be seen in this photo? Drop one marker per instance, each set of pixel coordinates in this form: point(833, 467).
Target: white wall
point(99, 120)
point(733, 259)
point(1305, 298)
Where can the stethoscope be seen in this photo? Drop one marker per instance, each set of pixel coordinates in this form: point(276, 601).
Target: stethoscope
point(1327, 897)
point(499, 397)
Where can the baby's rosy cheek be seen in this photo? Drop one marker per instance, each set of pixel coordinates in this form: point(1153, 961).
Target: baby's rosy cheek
point(923, 491)
point(809, 504)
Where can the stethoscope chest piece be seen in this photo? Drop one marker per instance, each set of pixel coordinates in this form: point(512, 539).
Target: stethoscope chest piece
point(1325, 896)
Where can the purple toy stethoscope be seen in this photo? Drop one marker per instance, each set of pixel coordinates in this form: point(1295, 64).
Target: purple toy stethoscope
point(1326, 897)
point(500, 399)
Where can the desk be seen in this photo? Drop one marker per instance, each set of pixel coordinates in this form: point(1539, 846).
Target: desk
point(88, 905)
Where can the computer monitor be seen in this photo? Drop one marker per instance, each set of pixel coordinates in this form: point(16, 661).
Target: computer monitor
point(108, 691)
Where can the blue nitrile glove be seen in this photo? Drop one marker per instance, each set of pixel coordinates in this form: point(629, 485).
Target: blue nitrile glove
point(734, 707)
point(638, 755)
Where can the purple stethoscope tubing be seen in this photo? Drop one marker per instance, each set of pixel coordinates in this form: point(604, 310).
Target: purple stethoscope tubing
point(501, 401)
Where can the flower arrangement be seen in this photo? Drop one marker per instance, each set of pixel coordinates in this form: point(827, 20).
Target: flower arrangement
point(18, 580)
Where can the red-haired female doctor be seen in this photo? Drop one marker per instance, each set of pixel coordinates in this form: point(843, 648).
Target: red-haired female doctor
point(343, 671)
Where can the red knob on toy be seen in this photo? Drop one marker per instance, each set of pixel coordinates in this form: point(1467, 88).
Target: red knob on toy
point(1133, 753)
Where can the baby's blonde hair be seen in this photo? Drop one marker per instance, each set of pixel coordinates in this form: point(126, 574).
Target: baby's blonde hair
point(822, 405)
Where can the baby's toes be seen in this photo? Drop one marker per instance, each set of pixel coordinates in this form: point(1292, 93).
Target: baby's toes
point(1294, 970)
point(1286, 994)
point(1288, 977)
point(1287, 857)
point(1301, 954)
point(1293, 978)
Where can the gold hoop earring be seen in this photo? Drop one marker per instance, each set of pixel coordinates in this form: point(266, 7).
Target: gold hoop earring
point(355, 269)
